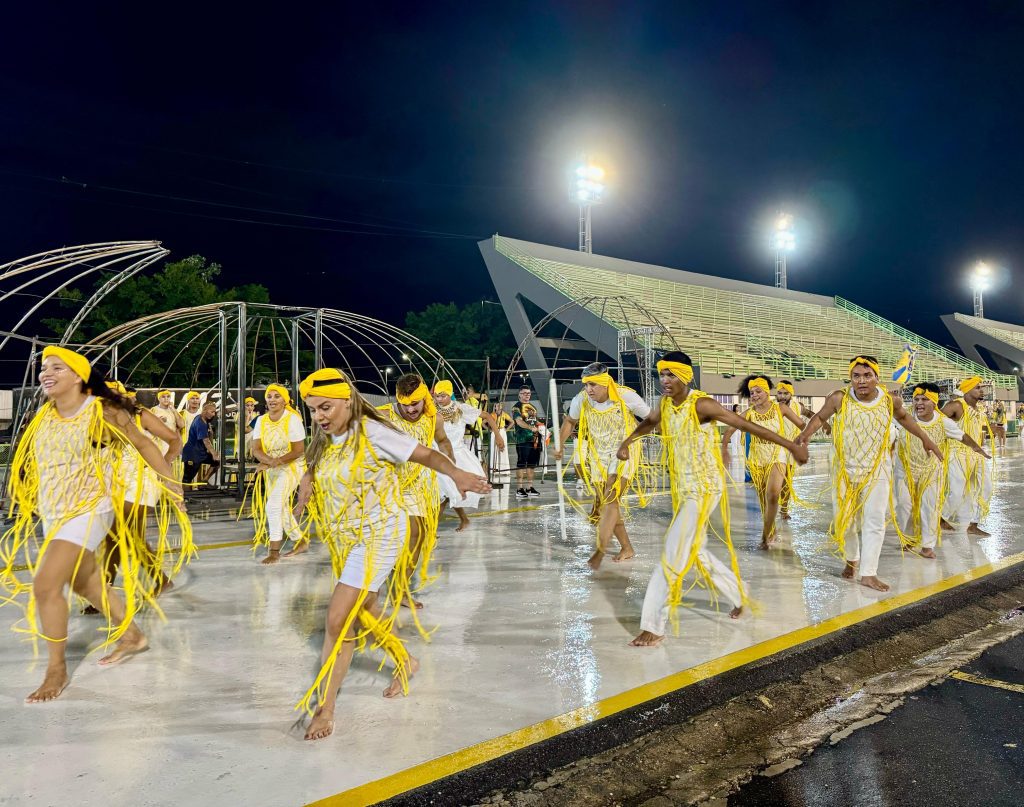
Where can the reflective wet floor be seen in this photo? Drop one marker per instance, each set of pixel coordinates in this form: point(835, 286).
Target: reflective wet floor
point(525, 632)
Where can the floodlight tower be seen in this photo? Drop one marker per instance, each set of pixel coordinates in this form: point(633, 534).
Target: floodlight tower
point(783, 241)
point(587, 190)
point(981, 280)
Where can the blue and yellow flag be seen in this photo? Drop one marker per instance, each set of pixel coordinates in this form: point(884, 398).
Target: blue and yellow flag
point(905, 366)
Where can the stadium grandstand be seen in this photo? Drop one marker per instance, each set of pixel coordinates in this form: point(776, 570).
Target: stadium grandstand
point(729, 327)
point(998, 345)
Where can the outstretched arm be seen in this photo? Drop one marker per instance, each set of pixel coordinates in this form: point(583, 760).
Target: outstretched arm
point(158, 428)
point(492, 424)
point(791, 416)
point(146, 447)
point(819, 418)
point(645, 426)
point(435, 460)
point(904, 418)
point(710, 409)
point(568, 424)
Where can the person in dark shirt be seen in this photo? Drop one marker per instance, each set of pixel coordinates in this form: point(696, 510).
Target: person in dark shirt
point(526, 434)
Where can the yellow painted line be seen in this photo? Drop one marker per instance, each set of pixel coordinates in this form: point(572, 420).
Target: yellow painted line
point(959, 675)
point(435, 769)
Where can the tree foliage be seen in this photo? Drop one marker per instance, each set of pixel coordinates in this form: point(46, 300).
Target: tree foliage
point(465, 336)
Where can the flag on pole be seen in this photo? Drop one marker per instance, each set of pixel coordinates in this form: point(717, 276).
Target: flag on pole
point(905, 366)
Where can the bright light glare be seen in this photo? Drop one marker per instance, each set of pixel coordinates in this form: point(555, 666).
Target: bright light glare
point(783, 238)
point(981, 278)
point(588, 187)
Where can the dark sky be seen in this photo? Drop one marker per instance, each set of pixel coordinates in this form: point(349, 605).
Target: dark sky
point(394, 139)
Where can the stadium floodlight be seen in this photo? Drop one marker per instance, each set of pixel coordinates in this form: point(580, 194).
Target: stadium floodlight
point(783, 241)
point(981, 281)
point(586, 190)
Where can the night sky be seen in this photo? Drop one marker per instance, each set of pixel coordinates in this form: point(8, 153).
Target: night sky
point(352, 158)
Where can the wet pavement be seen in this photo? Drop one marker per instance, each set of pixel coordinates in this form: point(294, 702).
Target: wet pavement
point(525, 634)
point(958, 743)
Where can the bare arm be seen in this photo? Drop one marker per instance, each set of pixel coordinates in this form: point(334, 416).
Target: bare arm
point(492, 424)
point(146, 447)
point(954, 410)
point(568, 424)
point(904, 418)
point(441, 438)
point(791, 416)
point(645, 426)
point(819, 418)
point(158, 428)
point(968, 441)
point(436, 461)
point(710, 409)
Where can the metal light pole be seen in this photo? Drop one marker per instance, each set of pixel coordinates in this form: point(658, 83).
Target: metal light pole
point(783, 241)
point(587, 190)
point(981, 279)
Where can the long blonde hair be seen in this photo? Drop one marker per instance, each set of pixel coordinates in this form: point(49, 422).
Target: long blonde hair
point(359, 408)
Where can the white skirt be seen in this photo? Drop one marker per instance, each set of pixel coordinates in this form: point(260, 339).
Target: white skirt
point(465, 460)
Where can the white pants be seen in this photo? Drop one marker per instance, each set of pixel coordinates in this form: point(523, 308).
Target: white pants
point(968, 488)
point(281, 483)
point(87, 530)
point(867, 532)
point(929, 508)
point(682, 532)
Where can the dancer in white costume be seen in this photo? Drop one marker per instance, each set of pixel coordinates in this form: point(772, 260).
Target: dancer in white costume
point(501, 467)
point(688, 422)
point(606, 414)
point(920, 477)
point(353, 476)
point(456, 417)
point(969, 475)
point(862, 417)
point(278, 443)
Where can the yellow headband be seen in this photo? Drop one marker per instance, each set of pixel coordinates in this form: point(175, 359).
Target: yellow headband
point(162, 392)
point(931, 396)
point(605, 380)
point(867, 363)
point(76, 362)
point(193, 394)
point(684, 372)
point(283, 392)
point(787, 387)
point(326, 383)
point(421, 393)
point(117, 387)
point(444, 388)
point(250, 400)
point(969, 383)
point(758, 383)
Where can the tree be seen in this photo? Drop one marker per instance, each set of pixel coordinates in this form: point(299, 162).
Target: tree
point(178, 284)
point(465, 336)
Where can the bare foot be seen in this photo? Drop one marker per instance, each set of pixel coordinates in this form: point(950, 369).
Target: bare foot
point(974, 529)
point(784, 515)
point(395, 687)
point(321, 726)
point(873, 582)
point(54, 682)
point(272, 557)
point(766, 545)
point(409, 602)
point(126, 647)
point(926, 552)
point(647, 639)
point(945, 524)
point(595, 560)
point(624, 554)
point(298, 549)
point(735, 612)
point(850, 569)
point(463, 523)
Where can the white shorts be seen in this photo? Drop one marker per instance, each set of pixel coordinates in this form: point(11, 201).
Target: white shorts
point(391, 541)
point(87, 530)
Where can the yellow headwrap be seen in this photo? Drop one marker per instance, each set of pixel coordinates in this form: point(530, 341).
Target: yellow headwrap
point(421, 393)
point(444, 388)
point(787, 387)
point(927, 393)
point(867, 363)
point(251, 400)
point(605, 380)
point(78, 364)
point(193, 394)
point(283, 392)
point(758, 383)
point(684, 372)
point(117, 387)
point(326, 383)
point(968, 384)
point(162, 392)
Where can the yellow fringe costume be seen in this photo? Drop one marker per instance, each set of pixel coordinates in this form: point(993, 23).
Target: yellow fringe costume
point(860, 444)
point(696, 473)
point(359, 506)
point(66, 468)
point(967, 468)
point(765, 455)
point(599, 435)
point(921, 470)
point(420, 489)
point(281, 481)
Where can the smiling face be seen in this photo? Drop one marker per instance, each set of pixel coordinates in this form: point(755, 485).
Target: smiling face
point(923, 408)
point(56, 378)
point(864, 382)
point(192, 404)
point(333, 415)
point(275, 402)
point(758, 396)
point(596, 392)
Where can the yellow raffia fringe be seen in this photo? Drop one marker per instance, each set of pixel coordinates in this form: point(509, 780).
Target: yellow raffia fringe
point(974, 422)
point(765, 455)
point(601, 433)
point(921, 470)
point(97, 473)
point(868, 436)
point(696, 472)
point(275, 443)
point(357, 499)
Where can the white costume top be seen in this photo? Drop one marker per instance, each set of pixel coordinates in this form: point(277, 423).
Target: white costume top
point(292, 428)
point(460, 416)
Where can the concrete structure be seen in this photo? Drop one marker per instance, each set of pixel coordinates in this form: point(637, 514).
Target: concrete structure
point(998, 345)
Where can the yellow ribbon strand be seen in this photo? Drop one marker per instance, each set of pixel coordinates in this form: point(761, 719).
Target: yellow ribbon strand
point(76, 362)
